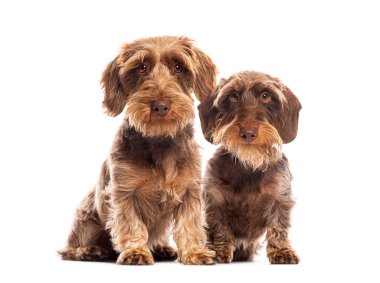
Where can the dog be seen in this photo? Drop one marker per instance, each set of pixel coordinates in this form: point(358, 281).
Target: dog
point(247, 184)
point(151, 180)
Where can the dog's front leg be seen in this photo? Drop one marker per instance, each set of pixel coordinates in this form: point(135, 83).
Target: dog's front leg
point(221, 239)
point(279, 249)
point(189, 233)
point(129, 233)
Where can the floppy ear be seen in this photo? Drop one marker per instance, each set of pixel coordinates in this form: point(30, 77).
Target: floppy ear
point(205, 75)
point(208, 113)
point(288, 124)
point(115, 97)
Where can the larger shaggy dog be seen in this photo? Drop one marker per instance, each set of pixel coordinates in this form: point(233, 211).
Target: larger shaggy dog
point(151, 179)
point(247, 183)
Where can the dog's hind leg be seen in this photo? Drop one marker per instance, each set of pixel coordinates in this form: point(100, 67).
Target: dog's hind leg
point(88, 241)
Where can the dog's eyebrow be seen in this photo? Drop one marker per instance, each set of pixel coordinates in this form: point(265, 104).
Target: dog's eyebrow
point(181, 56)
point(272, 88)
point(223, 94)
point(135, 60)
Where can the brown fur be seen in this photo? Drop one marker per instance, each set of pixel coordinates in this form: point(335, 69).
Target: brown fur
point(247, 183)
point(152, 177)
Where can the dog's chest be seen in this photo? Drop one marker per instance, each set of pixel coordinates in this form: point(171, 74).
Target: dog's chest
point(247, 212)
point(246, 204)
point(165, 182)
point(158, 170)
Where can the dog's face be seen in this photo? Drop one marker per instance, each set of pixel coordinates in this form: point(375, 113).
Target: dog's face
point(154, 78)
point(251, 115)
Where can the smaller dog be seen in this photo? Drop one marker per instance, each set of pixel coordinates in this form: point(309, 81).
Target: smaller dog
point(247, 182)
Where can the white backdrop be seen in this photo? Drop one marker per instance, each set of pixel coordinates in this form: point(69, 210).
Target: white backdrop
point(54, 134)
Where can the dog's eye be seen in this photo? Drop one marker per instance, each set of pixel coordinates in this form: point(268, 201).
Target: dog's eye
point(233, 96)
point(178, 68)
point(265, 97)
point(142, 69)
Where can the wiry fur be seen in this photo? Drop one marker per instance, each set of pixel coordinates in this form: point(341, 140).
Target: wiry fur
point(247, 183)
point(151, 179)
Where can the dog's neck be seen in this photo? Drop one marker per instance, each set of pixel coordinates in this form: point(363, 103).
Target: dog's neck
point(130, 133)
point(133, 145)
point(243, 167)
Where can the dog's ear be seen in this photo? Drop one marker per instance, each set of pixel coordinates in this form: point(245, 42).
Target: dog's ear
point(205, 75)
point(208, 113)
point(115, 97)
point(288, 124)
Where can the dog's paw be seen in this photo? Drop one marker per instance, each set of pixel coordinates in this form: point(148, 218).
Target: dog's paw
point(90, 253)
point(224, 252)
point(224, 255)
point(283, 256)
point(198, 256)
point(135, 257)
point(163, 253)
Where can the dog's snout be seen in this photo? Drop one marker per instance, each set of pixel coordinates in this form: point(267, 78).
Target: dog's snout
point(161, 106)
point(248, 134)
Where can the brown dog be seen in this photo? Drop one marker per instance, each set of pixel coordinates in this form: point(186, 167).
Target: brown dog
point(247, 183)
point(152, 176)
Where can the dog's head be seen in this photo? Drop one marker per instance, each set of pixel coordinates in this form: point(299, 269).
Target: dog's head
point(251, 114)
point(153, 79)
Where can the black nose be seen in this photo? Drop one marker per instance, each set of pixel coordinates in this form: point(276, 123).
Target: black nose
point(161, 106)
point(248, 134)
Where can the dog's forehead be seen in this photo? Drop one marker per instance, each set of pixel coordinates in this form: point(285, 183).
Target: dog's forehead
point(158, 50)
point(254, 81)
point(250, 82)
point(260, 82)
point(161, 46)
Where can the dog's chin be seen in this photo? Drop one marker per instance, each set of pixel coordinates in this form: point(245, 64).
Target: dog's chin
point(255, 156)
point(159, 127)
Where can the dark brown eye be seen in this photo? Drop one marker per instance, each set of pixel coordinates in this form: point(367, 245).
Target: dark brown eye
point(233, 96)
point(265, 97)
point(142, 69)
point(178, 68)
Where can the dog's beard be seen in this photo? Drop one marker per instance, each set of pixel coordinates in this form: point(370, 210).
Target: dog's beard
point(140, 116)
point(265, 150)
point(256, 157)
